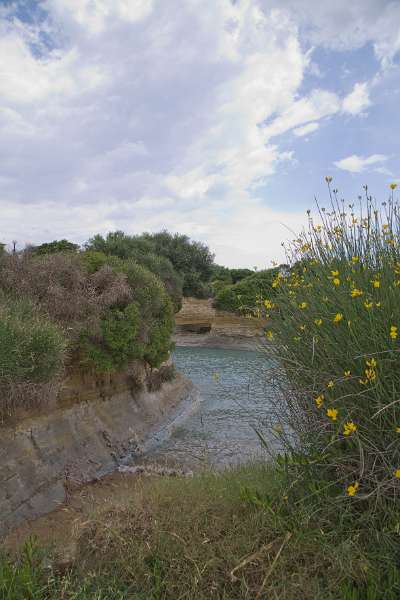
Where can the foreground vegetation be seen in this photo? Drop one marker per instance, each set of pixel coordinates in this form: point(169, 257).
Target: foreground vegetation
point(239, 534)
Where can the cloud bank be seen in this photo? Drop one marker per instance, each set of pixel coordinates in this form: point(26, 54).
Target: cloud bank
point(142, 114)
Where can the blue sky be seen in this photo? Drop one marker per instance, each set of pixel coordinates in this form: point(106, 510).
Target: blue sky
point(214, 118)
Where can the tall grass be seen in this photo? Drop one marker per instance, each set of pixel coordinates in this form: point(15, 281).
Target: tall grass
point(336, 331)
point(222, 536)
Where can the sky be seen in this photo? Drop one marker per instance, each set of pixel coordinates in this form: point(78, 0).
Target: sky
point(218, 119)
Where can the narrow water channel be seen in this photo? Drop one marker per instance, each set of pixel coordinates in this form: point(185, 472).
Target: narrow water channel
point(233, 401)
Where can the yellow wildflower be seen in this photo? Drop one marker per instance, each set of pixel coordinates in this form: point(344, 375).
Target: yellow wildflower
point(354, 221)
point(371, 362)
point(319, 400)
point(302, 327)
point(393, 186)
point(352, 489)
point(370, 374)
point(303, 305)
point(337, 318)
point(376, 283)
point(330, 384)
point(363, 381)
point(355, 259)
point(349, 428)
point(356, 293)
point(268, 304)
point(335, 273)
point(397, 429)
point(368, 304)
point(397, 473)
point(349, 323)
point(332, 413)
point(328, 179)
point(378, 304)
point(318, 322)
point(336, 281)
point(393, 332)
point(347, 373)
point(269, 334)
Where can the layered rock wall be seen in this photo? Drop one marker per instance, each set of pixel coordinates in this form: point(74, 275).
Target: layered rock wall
point(95, 423)
point(198, 323)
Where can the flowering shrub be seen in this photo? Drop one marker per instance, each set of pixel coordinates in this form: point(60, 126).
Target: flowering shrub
point(335, 325)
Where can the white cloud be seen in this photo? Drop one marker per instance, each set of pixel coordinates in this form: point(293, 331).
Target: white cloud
point(95, 16)
point(357, 164)
point(306, 129)
point(344, 25)
point(358, 100)
point(318, 105)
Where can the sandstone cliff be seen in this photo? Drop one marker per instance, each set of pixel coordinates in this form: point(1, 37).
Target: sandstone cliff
point(198, 323)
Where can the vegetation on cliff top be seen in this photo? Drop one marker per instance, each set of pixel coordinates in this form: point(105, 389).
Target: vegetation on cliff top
point(65, 307)
point(247, 294)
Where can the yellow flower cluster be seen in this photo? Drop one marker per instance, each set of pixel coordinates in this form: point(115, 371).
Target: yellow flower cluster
point(353, 489)
point(268, 304)
point(355, 293)
point(349, 428)
point(370, 372)
point(332, 413)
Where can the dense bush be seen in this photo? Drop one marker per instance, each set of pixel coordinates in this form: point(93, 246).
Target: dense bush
point(247, 295)
point(110, 310)
point(337, 341)
point(32, 347)
point(186, 264)
point(55, 247)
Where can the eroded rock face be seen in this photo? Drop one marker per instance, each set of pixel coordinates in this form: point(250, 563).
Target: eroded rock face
point(95, 423)
point(198, 323)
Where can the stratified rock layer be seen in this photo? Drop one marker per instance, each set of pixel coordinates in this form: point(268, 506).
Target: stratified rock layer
point(94, 423)
point(198, 323)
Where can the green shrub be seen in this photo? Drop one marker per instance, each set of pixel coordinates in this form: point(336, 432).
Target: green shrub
point(32, 348)
point(118, 341)
point(94, 259)
point(112, 310)
point(55, 247)
point(248, 294)
point(192, 262)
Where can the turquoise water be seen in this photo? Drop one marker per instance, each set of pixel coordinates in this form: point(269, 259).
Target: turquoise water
point(233, 402)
